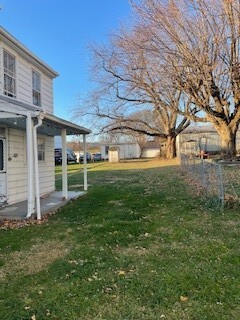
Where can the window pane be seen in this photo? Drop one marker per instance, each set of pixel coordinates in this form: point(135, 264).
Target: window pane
point(36, 98)
point(9, 75)
point(36, 81)
point(36, 88)
point(9, 62)
point(41, 149)
point(9, 85)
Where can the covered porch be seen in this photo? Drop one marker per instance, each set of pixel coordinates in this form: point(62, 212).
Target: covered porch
point(48, 204)
point(35, 121)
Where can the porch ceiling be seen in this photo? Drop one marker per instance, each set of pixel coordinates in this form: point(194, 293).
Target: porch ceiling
point(51, 125)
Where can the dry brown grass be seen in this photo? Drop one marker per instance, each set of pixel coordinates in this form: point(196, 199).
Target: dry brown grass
point(133, 164)
point(35, 260)
point(132, 251)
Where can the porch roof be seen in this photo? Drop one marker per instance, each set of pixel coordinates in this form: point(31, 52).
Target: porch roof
point(11, 116)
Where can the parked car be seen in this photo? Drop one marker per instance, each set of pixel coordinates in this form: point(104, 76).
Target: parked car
point(88, 157)
point(71, 157)
point(97, 157)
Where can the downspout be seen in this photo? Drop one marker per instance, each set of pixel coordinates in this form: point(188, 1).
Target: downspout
point(36, 170)
point(30, 210)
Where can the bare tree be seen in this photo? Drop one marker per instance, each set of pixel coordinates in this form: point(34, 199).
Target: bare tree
point(129, 80)
point(198, 41)
point(133, 128)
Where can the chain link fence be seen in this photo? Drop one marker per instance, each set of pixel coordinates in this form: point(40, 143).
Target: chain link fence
point(218, 181)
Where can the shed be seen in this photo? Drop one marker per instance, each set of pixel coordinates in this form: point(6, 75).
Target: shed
point(129, 150)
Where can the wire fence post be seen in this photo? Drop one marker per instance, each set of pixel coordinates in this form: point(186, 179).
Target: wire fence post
point(219, 181)
point(220, 184)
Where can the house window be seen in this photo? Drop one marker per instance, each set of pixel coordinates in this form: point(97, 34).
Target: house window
point(41, 149)
point(9, 65)
point(36, 88)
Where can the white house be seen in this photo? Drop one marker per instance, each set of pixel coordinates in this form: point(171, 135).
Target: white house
point(28, 127)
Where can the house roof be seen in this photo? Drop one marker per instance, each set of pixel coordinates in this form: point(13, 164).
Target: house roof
point(118, 144)
point(11, 115)
point(52, 126)
point(199, 128)
point(23, 51)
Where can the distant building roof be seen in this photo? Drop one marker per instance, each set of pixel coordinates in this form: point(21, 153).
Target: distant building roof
point(117, 143)
point(199, 128)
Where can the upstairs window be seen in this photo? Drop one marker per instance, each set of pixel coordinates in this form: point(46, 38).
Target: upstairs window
point(36, 88)
point(9, 65)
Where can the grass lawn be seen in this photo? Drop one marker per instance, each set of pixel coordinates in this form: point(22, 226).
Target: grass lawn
point(139, 245)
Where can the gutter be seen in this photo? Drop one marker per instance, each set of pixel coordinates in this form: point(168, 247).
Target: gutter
point(30, 210)
point(36, 170)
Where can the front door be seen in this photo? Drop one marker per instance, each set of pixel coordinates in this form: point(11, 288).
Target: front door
point(3, 185)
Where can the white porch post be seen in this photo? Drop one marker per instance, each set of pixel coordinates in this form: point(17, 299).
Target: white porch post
point(64, 165)
point(29, 128)
point(36, 169)
point(85, 184)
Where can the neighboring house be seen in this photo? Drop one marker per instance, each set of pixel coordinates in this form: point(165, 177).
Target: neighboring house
point(126, 150)
point(153, 149)
point(28, 127)
point(206, 138)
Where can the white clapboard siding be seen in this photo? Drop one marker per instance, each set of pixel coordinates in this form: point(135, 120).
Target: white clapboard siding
point(17, 167)
point(24, 81)
point(47, 94)
point(46, 168)
point(1, 69)
point(24, 84)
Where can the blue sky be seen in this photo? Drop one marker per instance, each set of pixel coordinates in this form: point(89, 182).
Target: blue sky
point(58, 32)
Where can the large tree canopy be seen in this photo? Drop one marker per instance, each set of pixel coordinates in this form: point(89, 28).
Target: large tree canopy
point(197, 42)
point(130, 82)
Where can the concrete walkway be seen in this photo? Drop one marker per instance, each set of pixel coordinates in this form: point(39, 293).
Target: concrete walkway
point(52, 202)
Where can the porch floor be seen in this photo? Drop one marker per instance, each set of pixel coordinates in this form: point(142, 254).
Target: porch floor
point(51, 202)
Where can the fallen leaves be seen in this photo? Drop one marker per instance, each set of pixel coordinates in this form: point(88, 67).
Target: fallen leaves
point(184, 298)
point(17, 224)
point(122, 273)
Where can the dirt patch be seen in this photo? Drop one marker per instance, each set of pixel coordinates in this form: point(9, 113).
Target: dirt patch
point(117, 203)
point(132, 251)
point(34, 260)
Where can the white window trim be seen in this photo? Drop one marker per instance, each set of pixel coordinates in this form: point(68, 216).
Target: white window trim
point(15, 78)
point(25, 149)
point(44, 151)
point(40, 89)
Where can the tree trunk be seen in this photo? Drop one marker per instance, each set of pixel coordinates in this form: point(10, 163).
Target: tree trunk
point(228, 142)
point(171, 150)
